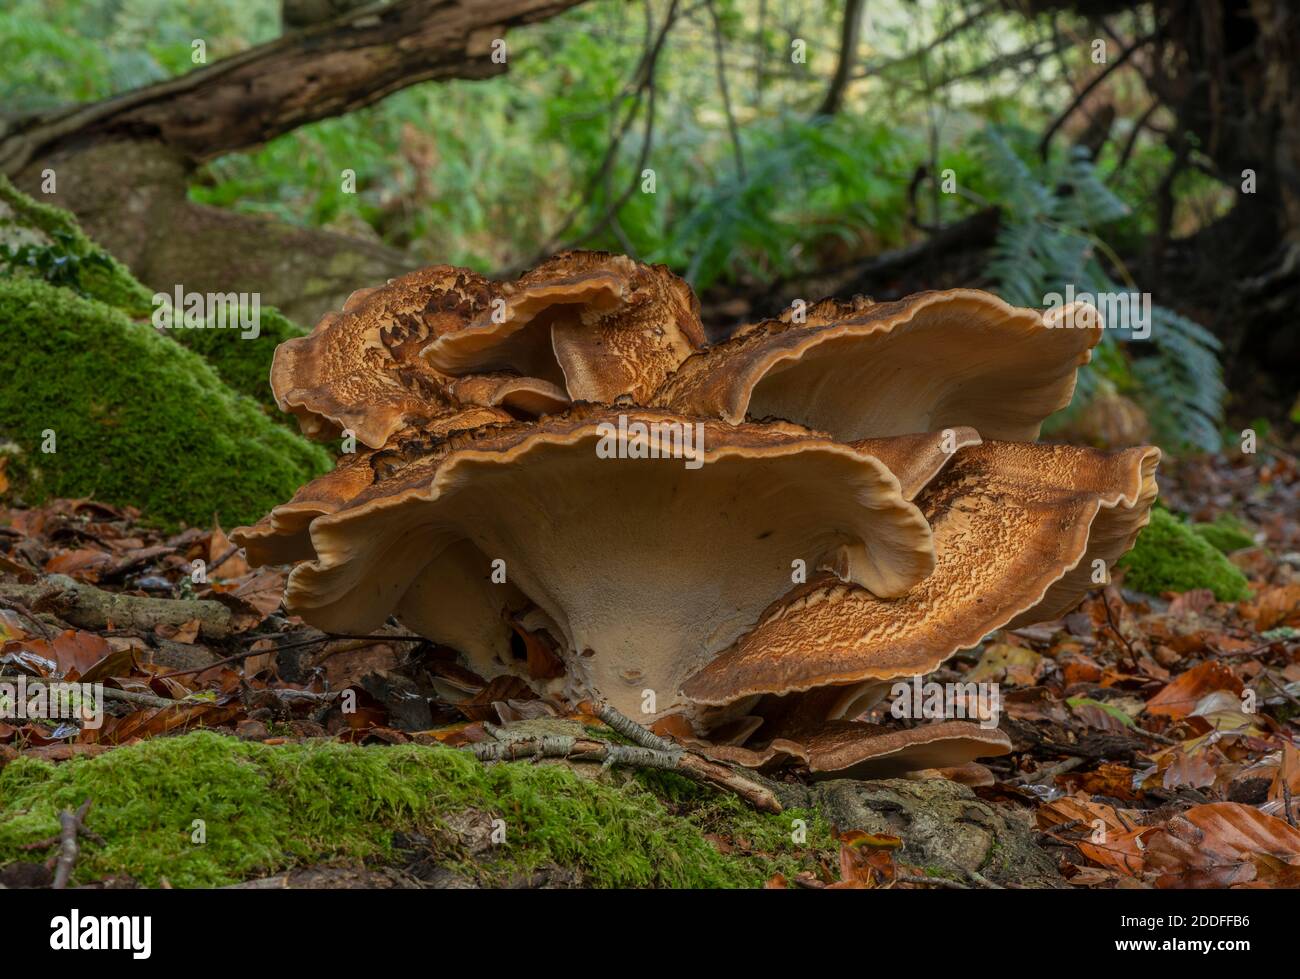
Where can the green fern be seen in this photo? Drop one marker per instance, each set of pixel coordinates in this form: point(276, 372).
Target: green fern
point(1049, 240)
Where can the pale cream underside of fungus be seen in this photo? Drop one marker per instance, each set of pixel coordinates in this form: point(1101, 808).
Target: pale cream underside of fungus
point(864, 370)
point(644, 566)
point(595, 325)
point(1017, 528)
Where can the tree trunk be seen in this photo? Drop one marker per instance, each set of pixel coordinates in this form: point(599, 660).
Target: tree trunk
point(124, 164)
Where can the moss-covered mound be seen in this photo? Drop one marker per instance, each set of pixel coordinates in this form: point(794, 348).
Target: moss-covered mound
point(46, 242)
point(266, 808)
point(1170, 556)
point(243, 362)
point(1226, 534)
point(135, 418)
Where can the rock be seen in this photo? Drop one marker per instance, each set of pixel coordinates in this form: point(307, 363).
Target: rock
point(945, 828)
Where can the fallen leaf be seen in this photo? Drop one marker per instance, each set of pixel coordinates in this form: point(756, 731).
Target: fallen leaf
point(1180, 697)
point(71, 649)
point(218, 547)
point(1224, 844)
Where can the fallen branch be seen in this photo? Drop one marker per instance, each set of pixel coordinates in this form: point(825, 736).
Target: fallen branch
point(631, 730)
point(251, 97)
point(637, 756)
point(87, 607)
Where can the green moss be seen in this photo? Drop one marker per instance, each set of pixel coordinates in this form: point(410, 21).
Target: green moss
point(245, 362)
point(265, 808)
point(1226, 534)
point(1170, 556)
point(47, 243)
point(137, 419)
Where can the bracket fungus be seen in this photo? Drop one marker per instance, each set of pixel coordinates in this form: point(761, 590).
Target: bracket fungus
point(745, 544)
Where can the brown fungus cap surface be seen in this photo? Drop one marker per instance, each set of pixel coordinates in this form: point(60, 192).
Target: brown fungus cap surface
point(359, 369)
point(1016, 526)
point(645, 566)
point(598, 326)
point(865, 370)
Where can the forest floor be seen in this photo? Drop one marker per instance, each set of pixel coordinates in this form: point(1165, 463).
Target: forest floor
point(1154, 740)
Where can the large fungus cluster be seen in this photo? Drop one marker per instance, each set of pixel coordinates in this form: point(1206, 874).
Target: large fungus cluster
point(741, 544)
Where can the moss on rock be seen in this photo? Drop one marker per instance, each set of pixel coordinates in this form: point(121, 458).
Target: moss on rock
point(136, 419)
point(48, 243)
point(269, 807)
point(245, 362)
point(1170, 556)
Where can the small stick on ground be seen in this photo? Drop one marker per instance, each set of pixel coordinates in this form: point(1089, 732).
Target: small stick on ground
point(71, 826)
point(637, 756)
point(932, 881)
point(27, 614)
point(983, 881)
point(631, 730)
point(147, 699)
point(234, 549)
point(1045, 774)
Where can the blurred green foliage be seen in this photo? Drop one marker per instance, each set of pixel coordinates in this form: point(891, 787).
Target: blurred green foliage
point(753, 188)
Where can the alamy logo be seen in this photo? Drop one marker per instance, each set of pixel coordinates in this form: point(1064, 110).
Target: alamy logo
point(22, 699)
point(73, 933)
point(209, 311)
point(652, 440)
point(1119, 310)
point(947, 701)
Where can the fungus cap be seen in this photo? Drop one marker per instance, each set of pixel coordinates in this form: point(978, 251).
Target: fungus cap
point(359, 369)
point(599, 326)
point(863, 370)
point(646, 566)
point(1017, 527)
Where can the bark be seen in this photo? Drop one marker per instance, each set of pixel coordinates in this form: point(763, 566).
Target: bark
point(88, 607)
point(269, 90)
point(850, 28)
point(124, 165)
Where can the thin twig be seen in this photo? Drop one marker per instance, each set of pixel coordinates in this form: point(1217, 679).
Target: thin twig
point(224, 558)
point(1045, 143)
point(288, 645)
point(68, 850)
point(27, 614)
point(955, 885)
point(589, 749)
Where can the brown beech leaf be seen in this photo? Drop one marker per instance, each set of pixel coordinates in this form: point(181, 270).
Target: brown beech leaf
point(72, 649)
point(1224, 844)
point(1274, 606)
point(1180, 697)
point(83, 563)
point(1005, 663)
point(1111, 779)
point(1105, 838)
point(1188, 769)
point(1287, 780)
point(218, 546)
point(866, 859)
